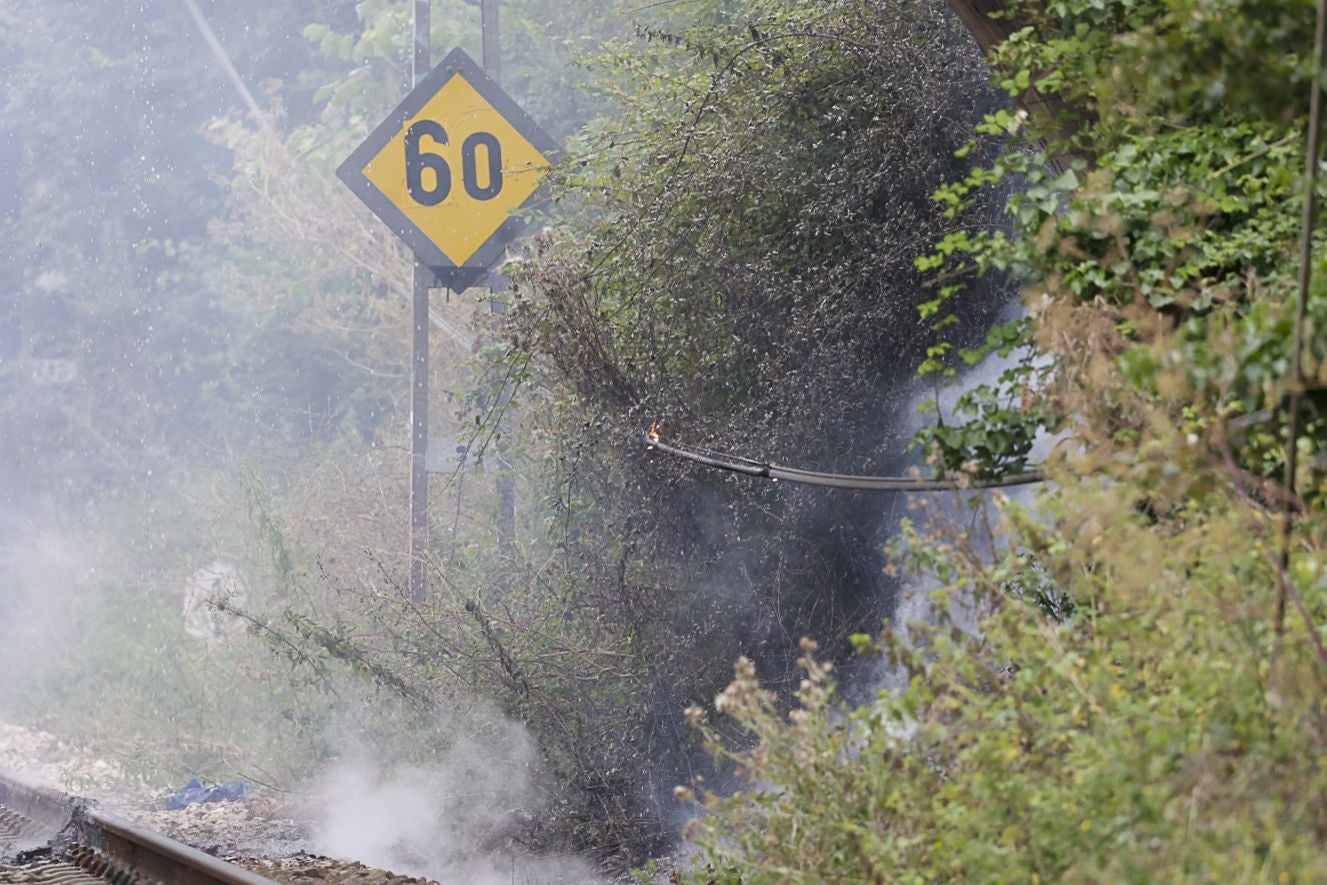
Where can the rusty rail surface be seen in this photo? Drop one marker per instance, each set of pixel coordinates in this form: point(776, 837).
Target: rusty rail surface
point(36, 820)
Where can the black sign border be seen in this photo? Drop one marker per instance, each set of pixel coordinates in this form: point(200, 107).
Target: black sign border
point(445, 270)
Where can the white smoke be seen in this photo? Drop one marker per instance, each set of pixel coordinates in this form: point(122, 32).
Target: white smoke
point(947, 511)
point(42, 573)
point(472, 817)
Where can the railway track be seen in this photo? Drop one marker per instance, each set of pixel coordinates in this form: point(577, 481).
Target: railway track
point(48, 837)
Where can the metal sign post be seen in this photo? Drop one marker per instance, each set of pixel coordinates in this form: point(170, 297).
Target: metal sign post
point(419, 363)
point(488, 13)
point(446, 171)
point(506, 486)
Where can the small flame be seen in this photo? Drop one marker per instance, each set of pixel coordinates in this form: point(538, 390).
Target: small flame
point(653, 434)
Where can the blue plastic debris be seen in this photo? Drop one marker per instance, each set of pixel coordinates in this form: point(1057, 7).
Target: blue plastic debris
point(194, 793)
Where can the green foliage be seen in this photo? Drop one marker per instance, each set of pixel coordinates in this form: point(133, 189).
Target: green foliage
point(1003, 419)
point(1179, 227)
point(735, 258)
point(1150, 735)
point(97, 651)
point(750, 283)
point(111, 195)
point(732, 243)
point(1109, 691)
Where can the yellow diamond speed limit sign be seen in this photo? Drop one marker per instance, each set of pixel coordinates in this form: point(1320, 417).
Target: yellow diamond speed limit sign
point(449, 166)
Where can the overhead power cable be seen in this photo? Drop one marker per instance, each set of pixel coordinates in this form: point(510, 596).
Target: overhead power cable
point(437, 320)
point(775, 472)
point(223, 59)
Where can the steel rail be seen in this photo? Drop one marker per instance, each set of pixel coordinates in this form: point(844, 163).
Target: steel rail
point(155, 855)
point(43, 812)
point(85, 835)
point(775, 472)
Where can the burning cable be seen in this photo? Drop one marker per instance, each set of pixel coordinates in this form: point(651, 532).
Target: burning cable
point(775, 472)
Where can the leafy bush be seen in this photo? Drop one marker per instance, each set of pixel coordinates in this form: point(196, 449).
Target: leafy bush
point(1132, 704)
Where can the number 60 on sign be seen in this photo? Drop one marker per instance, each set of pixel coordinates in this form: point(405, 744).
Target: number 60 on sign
point(449, 166)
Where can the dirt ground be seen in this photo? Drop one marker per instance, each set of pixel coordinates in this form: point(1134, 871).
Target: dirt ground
point(261, 832)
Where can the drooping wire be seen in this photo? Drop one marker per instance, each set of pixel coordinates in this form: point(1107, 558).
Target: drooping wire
point(776, 472)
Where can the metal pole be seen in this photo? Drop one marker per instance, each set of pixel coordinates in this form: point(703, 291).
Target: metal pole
point(419, 366)
point(488, 14)
point(421, 60)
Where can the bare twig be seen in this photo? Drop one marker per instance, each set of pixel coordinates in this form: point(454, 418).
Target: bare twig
point(1289, 589)
point(1296, 379)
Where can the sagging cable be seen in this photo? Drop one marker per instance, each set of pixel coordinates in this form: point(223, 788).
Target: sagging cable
point(776, 472)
